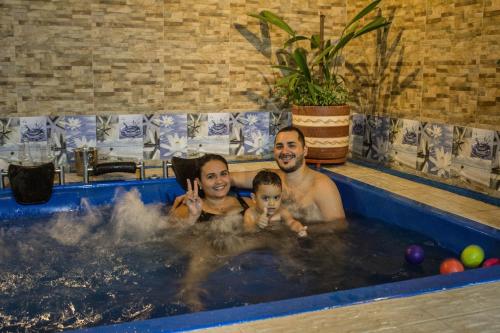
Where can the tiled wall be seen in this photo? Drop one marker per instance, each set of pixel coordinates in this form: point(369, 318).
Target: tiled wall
point(139, 137)
point(464, 156)
point(75, 72)
point(438, 62)
point(140, 56)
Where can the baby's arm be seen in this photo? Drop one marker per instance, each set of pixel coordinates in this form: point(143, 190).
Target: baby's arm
point(252, 219)
point(292, 223)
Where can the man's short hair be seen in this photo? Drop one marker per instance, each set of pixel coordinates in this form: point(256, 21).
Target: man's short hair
point(265, 177)
point(292, 129)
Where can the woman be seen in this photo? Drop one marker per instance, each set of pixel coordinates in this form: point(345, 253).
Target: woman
point(214, 180)
point(213, 221)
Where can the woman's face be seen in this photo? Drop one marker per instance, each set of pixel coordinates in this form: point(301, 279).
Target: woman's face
point(215, 180)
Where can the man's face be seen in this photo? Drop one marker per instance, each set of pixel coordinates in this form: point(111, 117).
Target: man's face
point(289, 152)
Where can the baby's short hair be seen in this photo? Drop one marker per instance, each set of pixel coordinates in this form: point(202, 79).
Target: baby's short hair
point(265, 177)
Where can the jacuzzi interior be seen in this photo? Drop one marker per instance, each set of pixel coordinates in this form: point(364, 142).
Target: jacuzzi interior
point(87, 89)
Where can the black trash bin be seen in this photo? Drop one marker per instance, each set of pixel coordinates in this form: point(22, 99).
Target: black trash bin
point(31, 184)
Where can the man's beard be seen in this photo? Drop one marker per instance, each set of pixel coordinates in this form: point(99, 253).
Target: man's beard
point(299, 160)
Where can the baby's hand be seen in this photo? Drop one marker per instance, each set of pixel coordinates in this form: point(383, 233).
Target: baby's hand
point(263, 219)
point(302, 232)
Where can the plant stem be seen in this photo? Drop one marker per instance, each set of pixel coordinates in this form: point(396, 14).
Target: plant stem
point(321, 43)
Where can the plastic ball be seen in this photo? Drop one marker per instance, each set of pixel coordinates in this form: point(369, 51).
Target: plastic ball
point(414, 254)
point(491, 262)
point(472, 256)
point(451, 265)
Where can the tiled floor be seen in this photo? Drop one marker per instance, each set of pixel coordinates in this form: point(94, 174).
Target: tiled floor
point(470, 309)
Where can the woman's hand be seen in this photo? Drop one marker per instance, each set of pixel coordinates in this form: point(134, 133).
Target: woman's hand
point(192, 200)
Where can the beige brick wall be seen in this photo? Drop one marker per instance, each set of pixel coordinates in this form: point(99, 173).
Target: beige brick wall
point(439, 60)
point(442, 61)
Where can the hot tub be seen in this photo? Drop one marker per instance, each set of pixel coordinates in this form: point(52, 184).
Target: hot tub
point(451, 232)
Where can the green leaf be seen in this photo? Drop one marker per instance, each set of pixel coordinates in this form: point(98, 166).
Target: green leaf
point(342, 42)
point(272, 18)
point(315, 42)
point(320, 56)
point(364, 12)
point(373, 25)
point(285, 68)
point(312, 91)
point(293, 40)
point(329, 52)
point(300, 58)
point(285, 80)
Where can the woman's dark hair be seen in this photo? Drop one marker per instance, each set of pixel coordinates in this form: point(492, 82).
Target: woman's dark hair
point(265, 177)
point(207, 158)
point(190, 168)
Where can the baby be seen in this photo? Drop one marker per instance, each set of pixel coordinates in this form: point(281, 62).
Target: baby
point(267, 197)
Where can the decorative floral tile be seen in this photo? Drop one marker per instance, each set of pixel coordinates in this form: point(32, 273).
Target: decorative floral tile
point(376, 139)
point(80, 132)
point(434, 150)
point(249, 133)
point(9, 141)
point(33, 143)
point(277, 121)
point(33, 129)
point(404, 142)
point(58, 148)
point(9, 132)
point(236, 136)
point(173, 135)
point(357, 131)
point(119, 137)
point(472, 155)
point(495, 163)
point(151, 142)
point(208, 133)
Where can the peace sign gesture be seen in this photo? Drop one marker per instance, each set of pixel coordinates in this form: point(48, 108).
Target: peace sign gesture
point(192, 199)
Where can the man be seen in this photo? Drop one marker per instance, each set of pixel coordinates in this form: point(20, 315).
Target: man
point(309, 195)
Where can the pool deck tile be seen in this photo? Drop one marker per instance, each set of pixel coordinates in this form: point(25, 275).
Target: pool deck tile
point(469, 309)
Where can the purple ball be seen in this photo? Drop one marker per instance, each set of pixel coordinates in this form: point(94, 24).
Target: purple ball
point(414, 254)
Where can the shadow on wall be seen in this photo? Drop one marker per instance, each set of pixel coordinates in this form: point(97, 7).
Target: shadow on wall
point(264, 46)
point(374, 87)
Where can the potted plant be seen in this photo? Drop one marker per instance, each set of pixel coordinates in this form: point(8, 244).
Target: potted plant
point(311, 83)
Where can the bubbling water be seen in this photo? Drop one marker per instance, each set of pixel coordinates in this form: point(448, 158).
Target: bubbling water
point(132, 220)
point(105, 265)
point(76, 255)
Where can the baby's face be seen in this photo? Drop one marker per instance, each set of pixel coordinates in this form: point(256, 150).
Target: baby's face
point(268, 196)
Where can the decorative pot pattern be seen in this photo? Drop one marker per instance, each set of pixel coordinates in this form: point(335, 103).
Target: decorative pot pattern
point(326, 131)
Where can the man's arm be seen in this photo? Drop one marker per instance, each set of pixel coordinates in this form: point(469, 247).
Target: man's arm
point(328, 200)
point(243, 179)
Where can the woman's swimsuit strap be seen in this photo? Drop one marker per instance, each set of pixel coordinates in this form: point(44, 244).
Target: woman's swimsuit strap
point(206, 216)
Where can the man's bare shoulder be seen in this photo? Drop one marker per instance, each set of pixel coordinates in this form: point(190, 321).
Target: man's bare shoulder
point(320, 179)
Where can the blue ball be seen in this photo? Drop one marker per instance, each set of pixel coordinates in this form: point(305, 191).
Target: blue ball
point(414, 254)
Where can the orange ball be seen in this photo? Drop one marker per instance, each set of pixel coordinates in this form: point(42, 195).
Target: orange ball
point(451, 265)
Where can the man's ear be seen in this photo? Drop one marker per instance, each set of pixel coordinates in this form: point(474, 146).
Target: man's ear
point(305, 150)
point(253, 197)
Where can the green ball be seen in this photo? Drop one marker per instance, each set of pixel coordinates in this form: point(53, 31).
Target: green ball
point(472, 256)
